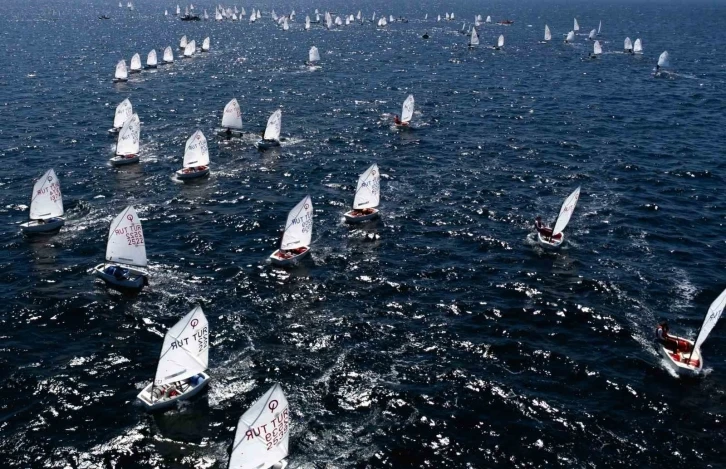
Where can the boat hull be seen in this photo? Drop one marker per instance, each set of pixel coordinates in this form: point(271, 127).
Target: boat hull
point(277, 260)
point(135, 280)
point(677, 363)
point(123, 161)
point(33, 226)
point(353, 219)
point(231, 133)
point(120, 80)
point(267, 144)
point(150, 405)
point(552, 243)
point(192, 174)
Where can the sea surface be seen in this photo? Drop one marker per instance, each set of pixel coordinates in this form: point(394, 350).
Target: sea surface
point(440, 336)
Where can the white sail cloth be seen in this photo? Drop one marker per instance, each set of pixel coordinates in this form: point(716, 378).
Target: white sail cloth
point(299, 226)
point(126, 239)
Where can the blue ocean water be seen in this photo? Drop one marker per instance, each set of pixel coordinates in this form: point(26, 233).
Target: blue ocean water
point(450, 341)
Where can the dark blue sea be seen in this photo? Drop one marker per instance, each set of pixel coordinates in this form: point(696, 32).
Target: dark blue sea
point(440, 336)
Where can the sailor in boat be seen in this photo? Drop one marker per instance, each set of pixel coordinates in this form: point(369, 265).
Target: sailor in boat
point(194, 169)
point(679, 350)
point(176, 388)
point(290, 253)
point(128, 157)
point(119, 273)
point(543, 230)
point(361, 212)
point(397, 121)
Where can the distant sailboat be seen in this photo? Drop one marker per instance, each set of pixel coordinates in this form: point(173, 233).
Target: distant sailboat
point(576, 26)
point(663, 62)
point(313, 56)
point(262, 439)
point(125, 253)
point(166, 13)
point(231, 120)
point(135, 64)
point(168, 55)
point(570, 37)
point(628, 46)
point(555, 237)
point(151, 59)
point(127, 146)
point(205, 15)
point(46, 205)
point(599, 26)
point(121, 73)
point(205, 45)
point(190, 49)
point(638, 46)
point(297, 236)
point(307, 23)
point(474, 38)
point(285, 25)
point(596, 50)
point(183, 43)
point(367, 197)
point(406, 113)
point(489, 19)
point(684, 355)
point(196, 157)
point(592, 35)
point(271, 138)
point(547, 35)
point(178, 10)
point(124, 111)
point(181, 372)
point(500, 42)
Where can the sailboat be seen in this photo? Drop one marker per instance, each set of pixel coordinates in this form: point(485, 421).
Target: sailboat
point(183, 42)
point(576, 26)
point(295, 242)
point(205, 15)
point(127, 147)
point(684, 356)
point(253, 17)
point(190, 49)
point(555, 237)
point(125, 253)
point(262, 439)
point(271, 138)
point(168, 55)
point(367, 197)
point(488, 20)
point(166, 12)
point(596, 50)
point(599, 26)
point(181, 372)
point(628, 46)
point(500, 42)
point(46, 205)
point(663, 62)
point(151, 59)
point(570, 37)
point(196, 157)
point(178, 10)
point(123, 112)
point(547, 35)
point(205, 45)
point(638, 46)
point(313, 57)
point(135, 64)
point(406, 113)
point(474, 38)
point(307, 23)
point(592, 35)
point(121, 73)
point(231, 120)
point(285, 25)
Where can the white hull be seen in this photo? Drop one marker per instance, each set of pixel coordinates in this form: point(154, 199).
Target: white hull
point(550, 243)
point(136, 279)
point(146, 399)
point(350, 218)
point(122, 161)
point(192, 174)
point(692, 369)
point(265, 144)
point(287, 261)
point(33, 226)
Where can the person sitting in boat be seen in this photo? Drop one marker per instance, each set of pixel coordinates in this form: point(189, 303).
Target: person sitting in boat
point(543, 230)
point(398, 121)
point(359, 212)
point(201, 168)
point(128, 156)
point(662, 337)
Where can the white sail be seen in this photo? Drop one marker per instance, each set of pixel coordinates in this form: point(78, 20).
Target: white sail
point(253, 17)
point(566, 210)
point(328, 20)
point(548, 34)
point(426, 16)
point(136, 62)
point(347, 21)
point(185, 352)
point(452, 16)
point(183, 42)
point(592, 34)
point(274, 126)
point(628, 45)
point(307, 23)
point(570, 36)
point(126, 239)
point(47, 200)
point(166, 13)
point(205, 44)
point(438, 18)
point(447, 17)
point(285, 25)
point(712, 317)
point(123, 112)
point(232, 116)
point(121, 72)
point(129, 136)
point(391, 19)
point(168, 55)
point(299, 225)
point(313, 55)
point(664, 59)
point(597, 48)
point(359, 16)
point(178, 10)
point(338, 21)
point(205, 15)
point(407, 111)
point(243, 12)
point(151, 58)
point(218, 16)
point(190, 49)
point(368, 192)
point(638, 46)
point(500, 41)
point(474, 39)
point(599, 26)
point(196, 152)
point(576, 27)
point(489, 19)
point(262, 438)
point(234, 16)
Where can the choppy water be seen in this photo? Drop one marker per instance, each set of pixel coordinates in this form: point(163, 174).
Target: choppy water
point(452, 341)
